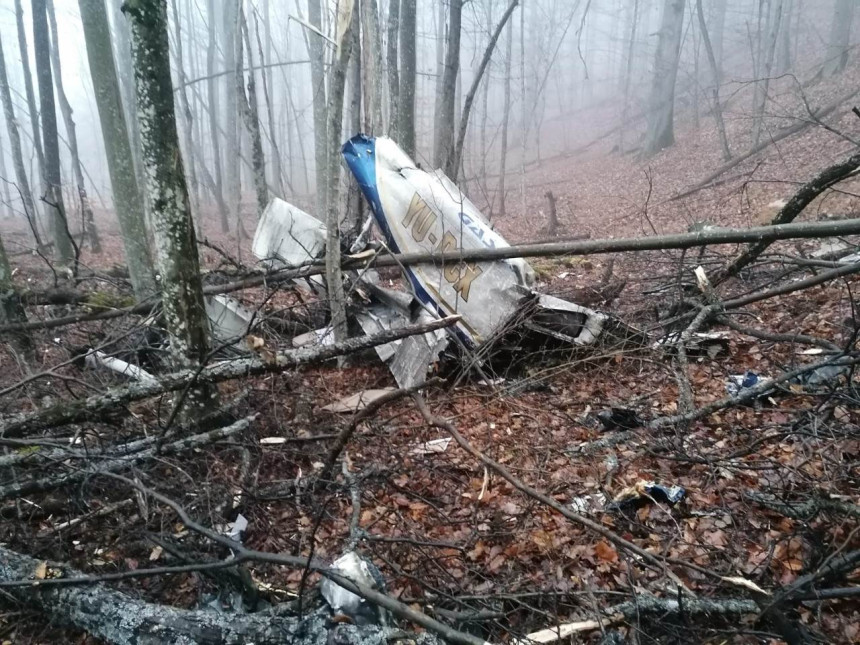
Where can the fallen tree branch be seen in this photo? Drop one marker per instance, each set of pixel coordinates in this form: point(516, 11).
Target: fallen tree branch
point(794, 207)
point(92, 407)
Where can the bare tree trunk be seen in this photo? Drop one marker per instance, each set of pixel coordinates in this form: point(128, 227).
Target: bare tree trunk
point(127, 198)
point(784, 58)
point(214, 110)
point(175, 242)
point(506, 119)
point(17, 153)
point(628, 72)
point(66, 110)
point(452, 162)
point(353, 220)
point(187, 116)
point(443, 148)
point(371, 63)
point(7, 196)
point(230, 45)
point(718, 22)
point(31, 96)
point(321, 140)
point(334, 280)
point(715, 91)
point(251, 116)
point(63, 245)
point(406, 98)
point(840, 37)
point(661, 105)
point(762, 85)
point(266, 76)
point(393, 77)
point(41, 216)
point(11, 309)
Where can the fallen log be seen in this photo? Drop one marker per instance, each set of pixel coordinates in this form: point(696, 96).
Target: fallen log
point(93, 407)
point(118, 618)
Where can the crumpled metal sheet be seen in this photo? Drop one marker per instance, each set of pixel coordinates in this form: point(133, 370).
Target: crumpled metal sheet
point(420, 211)
point(228, 319)
point(287, 236)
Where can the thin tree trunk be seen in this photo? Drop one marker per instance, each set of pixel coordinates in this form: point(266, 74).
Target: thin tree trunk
point(230, 44)
point(7, 196)
point(784, 57)
point(187, 116)
point(251, 116)
point(393, 77)
point(718, 22)
point(33, 112)
point(444, 155)
point(175, 242)
point(406, 97)
point(334, 280)
point(214, 110)
point(506, 119)
point(321, 141)
point(127, 197)
point(371, 64)
point(17, 153)
point(68, 120)
point(64, 247)
point(357, 87)
point(628, 73)
point(715, 91)
point(774, 19)
point(840, 37)
point(661, 117)
point(266, 76)
point(452, 164)
point(11, 309)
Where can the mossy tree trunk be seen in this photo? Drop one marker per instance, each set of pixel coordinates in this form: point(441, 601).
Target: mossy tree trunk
point(175, 241)
point(127, 197)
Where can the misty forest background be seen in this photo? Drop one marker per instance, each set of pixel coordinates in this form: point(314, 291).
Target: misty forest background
point(688, 166)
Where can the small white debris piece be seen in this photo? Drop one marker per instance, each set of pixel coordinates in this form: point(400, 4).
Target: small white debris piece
point(323, 337)
point(429, 447)
point(352, 567)
point(273, 441)
point(565, 631)
point(234, 529)
point(96, 359)
point(357, 401)
point(287, 236)
point(743, 582)
point(228, 319)
point(587, 504)
point(155, 554)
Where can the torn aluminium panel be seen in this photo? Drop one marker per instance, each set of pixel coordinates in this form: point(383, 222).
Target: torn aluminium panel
point(424, 212)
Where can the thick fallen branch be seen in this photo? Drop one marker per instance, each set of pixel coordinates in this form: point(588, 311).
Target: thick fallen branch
point(110, 462)
point(117, 618)
point(93, 407)
point(794, 207)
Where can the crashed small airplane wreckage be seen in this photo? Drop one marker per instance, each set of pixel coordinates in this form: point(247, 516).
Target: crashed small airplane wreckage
point(425, 212)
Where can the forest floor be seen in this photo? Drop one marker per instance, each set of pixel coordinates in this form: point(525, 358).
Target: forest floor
point(446, 531)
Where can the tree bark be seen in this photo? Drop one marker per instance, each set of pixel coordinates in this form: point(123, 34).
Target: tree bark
point(453, 161)
point(661, 117)
point(443, 148)
point(840, 37)
point(715, 91)
point(15, 145)
point(321, 140)
point(406, 97)
point(334, 279)
point(187, 116)
point(371, 65)
point(506, 119)
point(251, 117)
point(31, 99)
point(127, 197)
point(175, 242)
point(231, 42)
point(214, 109)
point(393, 77)
point(268, 98)
point(63, 244)
point(11, 308)
point(766, 57)
point(66, 110)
